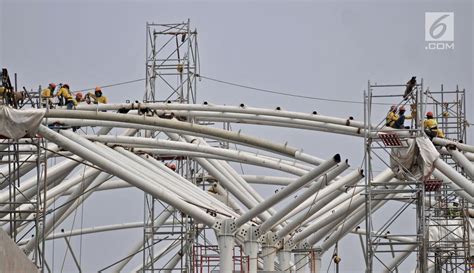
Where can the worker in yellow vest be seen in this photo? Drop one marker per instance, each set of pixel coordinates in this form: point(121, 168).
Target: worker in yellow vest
point(391, 116)
point(400, 122)
point(430, 125)
point(70, 102)
point(97, 96)
point(63, 94)
point(47, 95)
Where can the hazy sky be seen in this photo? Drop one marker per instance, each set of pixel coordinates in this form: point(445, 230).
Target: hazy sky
point(317, 48)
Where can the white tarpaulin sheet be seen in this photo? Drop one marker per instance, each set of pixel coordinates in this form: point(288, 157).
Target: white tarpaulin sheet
point(446, 231)
point(417, 157)
point(428, 153)
point(16, 124)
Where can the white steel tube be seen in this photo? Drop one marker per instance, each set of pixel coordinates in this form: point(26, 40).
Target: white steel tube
point(460, 146)
point(459, 191)
point(462, 161)
point(174, 124)
point(143, 184)
point(327, 194)
point(188, 108)
point(270, 223)
point(455, 177)
point(350, 223)
point(160, 220)
point(288, 190)
point(241, 156)
point(61, 213)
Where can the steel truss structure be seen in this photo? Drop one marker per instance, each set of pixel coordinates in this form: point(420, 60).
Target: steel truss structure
point(205, 216)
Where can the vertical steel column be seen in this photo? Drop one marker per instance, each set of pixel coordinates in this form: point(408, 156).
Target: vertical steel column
point(226, 241)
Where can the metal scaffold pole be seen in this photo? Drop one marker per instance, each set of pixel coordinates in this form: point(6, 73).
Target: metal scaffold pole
point(171, 76)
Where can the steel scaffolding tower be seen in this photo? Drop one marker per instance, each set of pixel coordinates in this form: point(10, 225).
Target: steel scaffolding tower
point(447, 217)
point(24, 211)
point(407, 187)
point(172, 62)
point(441, 232)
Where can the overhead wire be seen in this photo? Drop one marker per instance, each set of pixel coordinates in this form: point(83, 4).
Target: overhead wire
point(112, 85)
point(282, 93)
point(263, 90)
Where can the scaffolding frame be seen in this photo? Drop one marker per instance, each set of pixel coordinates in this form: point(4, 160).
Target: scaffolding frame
point(447, 216)
point(444, 253)
point(17, 153)
point(172, 64)
point(378, 248)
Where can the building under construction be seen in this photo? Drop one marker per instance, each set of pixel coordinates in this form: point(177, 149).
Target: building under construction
point(411, 202)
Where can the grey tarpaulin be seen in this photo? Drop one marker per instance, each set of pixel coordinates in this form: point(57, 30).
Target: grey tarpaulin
point(16, 124)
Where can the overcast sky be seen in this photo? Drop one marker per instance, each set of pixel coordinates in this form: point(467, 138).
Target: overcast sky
point(324, 49)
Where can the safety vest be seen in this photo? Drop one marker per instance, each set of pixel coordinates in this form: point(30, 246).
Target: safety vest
point(430, 124)
point(390, 119)
point(64, 92)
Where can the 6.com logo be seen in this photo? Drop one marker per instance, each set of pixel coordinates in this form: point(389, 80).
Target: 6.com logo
point(439, 30)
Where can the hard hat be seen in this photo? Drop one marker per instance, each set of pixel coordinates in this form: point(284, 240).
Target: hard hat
point(402, 108)
point(53, 85)
point(97, 89)
point(429, 114)
point(66, 85)
point(393, 108)
point(79, 95)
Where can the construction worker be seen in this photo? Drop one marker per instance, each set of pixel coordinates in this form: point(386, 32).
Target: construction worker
point(63, 94)
point(47, 94)
point(409, 89)
point(430, 126)
point(391, 116)
point(79, 97)
point(453, 209)
point(97, 96)
point(172, 166)
point(70, 102)
point(400, 122)
point(2, 93)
